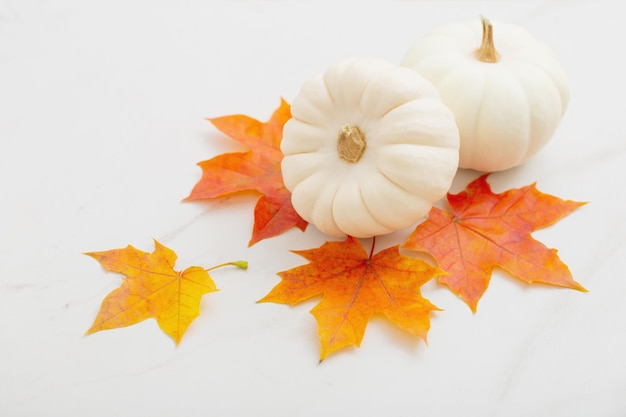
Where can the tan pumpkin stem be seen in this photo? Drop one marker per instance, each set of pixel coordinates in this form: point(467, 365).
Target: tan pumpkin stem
point(350, 143)
point(487, 51)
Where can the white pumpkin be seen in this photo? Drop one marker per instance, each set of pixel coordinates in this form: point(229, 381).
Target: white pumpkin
point(369, 148)
point(505, 88)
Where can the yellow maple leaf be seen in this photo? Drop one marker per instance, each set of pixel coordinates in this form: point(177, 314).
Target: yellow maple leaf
point(152, 289)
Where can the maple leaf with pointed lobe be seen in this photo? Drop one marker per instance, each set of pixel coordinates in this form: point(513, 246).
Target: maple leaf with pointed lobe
point(152, 289)
point(255, 170)
point(484, 230)
point(354, 287)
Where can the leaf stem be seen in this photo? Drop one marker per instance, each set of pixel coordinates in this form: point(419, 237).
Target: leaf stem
point(373, 246)
point(238, 264)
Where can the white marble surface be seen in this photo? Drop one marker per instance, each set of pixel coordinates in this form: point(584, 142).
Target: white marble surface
point(102, 113)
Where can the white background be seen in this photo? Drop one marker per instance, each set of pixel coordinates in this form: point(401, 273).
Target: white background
point(102, 122)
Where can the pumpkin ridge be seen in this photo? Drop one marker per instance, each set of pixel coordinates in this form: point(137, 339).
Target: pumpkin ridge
point(529, 122)
point(369, 211)
point(475, 136)
point(395, 107)
point(346, 223)
point(395, 183)
point(553, 83)
point(390, 221)
point(332, 99)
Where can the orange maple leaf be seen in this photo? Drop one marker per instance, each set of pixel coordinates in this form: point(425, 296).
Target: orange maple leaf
point(484, 230)
point(256, 170)
point(356, 286)
point(152, 289)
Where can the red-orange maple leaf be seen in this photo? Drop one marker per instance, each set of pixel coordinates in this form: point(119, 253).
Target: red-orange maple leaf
point(255, 170)
point(355, 286)
point(484, 230)
point(152, 289)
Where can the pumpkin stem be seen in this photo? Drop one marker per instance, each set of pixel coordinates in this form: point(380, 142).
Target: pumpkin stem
point(350, 143)
point(487, 51)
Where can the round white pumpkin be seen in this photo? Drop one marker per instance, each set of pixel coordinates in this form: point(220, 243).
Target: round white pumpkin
point(505, 88)
point(369, 148)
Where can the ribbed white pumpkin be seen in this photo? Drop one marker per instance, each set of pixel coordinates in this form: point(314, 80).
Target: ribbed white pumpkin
point(369, 148)
point(505, 88)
